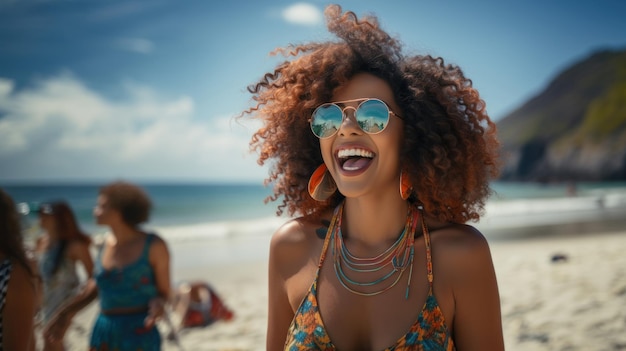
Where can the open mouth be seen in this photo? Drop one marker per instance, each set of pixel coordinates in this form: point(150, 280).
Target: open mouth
point(354, 159)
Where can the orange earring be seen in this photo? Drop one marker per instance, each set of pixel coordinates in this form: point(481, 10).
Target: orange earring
point(321, 184)
point(405, 185)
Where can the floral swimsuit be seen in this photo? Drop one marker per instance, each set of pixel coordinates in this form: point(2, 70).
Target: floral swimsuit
point(428, 333)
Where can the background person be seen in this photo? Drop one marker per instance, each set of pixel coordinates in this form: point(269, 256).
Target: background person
point(19, 285)
point(62, 246)
point(131, 276)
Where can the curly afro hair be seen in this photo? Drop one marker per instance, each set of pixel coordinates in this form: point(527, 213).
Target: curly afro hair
point(132, 201)
point(450, 149)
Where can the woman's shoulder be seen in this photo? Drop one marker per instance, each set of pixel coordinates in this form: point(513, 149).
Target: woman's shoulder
point(298, 239)
point(22, 278)
point(301, 231)
point(158, 246)
point(455, 236)
point(155, 239)
point(460, 247)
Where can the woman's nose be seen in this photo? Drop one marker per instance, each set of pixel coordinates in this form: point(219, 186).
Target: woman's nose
point(349, 125)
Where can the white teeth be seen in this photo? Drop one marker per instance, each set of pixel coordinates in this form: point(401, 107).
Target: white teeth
point(354, 152)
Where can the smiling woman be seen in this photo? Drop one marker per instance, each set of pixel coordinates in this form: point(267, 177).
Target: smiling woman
point(383, 157)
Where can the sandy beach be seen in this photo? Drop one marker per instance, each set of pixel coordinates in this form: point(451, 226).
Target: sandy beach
point(557, 293)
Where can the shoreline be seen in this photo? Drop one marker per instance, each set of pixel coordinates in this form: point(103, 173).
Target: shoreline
point(606, 223)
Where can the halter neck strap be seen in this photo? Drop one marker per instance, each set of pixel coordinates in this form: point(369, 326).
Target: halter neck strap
point(429, 261)
point(333, 222)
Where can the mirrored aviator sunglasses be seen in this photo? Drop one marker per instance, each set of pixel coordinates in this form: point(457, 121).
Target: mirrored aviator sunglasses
point(372, 116)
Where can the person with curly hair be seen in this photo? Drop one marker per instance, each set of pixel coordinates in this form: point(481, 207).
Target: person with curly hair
point(62, 246)
point(19, 282)
point(381, 158)
point(131, 276)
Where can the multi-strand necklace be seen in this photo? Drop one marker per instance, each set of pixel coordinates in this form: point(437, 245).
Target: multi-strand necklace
point(390, 264)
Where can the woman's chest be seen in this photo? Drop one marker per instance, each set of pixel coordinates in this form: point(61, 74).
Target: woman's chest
point(372, 316)
point(120, 256)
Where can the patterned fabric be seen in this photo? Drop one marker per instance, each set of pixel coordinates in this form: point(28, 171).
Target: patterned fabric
point(127, 287)
point(428, 333)
point(124, 332)
point(58, 286)
point(5, 274)
point(202, 314)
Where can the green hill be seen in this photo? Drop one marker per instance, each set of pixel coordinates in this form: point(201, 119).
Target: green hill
point(575, 130)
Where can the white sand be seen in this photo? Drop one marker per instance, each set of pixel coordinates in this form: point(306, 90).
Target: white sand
point(576, 304)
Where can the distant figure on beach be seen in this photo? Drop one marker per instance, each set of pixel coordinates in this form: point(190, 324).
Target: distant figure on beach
point(571, 189)
point(197, 304)
point(19, 283)
point(131, 276)
point(61, 247)
point(384, 158)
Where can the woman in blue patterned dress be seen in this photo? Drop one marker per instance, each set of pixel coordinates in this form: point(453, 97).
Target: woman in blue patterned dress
point(131, 276)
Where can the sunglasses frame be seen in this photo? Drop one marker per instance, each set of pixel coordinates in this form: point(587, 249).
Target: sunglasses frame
point(344, 115)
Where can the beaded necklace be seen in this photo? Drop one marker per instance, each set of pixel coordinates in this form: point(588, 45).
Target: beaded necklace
point(396, 258)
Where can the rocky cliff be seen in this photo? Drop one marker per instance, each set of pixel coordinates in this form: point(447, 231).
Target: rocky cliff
point(574, 130)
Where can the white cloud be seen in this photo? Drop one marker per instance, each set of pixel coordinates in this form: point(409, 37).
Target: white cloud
point(137, 45)
point(6, 86)
point(110, 11)
point(60, 129)
point(302, 14)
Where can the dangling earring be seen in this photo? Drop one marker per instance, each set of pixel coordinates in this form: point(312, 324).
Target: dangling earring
point(321, 184)
point(405, 185)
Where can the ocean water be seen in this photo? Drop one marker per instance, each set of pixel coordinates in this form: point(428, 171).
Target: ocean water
point(522, 210)
point(225, 222)
point(174, 205)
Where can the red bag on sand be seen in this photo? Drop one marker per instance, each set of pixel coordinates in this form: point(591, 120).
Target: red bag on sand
point(205, 315)
point(194, 319)
point(218, 309)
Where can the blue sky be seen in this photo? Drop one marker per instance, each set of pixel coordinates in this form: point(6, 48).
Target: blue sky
point(94, 90)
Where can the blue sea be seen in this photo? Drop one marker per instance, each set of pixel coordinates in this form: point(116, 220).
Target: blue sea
point(224, 222)
point(173, 204)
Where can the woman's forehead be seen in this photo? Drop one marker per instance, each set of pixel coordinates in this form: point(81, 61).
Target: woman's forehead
point(365, 85)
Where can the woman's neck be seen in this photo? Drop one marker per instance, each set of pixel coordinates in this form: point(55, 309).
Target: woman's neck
point(374, 223)
point(124, 233)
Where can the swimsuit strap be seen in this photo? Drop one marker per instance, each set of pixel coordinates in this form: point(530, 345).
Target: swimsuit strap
point(146, 245)
point(429, 262)
point(336, 215)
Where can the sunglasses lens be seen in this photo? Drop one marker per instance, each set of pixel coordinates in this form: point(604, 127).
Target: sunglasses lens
point(326, 120)
point(372, 116)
